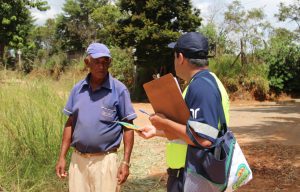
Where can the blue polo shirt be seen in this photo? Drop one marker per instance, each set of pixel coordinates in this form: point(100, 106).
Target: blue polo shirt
point(202, 101)
point(94, 111)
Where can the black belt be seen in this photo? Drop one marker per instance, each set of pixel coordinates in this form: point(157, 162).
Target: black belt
point(175, 172)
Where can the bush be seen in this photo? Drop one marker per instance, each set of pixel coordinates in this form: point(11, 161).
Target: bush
point(122, 66)
point(52, 65)
point(251, 77)
point(284, 63)
point(283, 59)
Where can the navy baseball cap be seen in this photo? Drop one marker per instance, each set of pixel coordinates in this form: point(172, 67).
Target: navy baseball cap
point(192, 45)
point(96, 50)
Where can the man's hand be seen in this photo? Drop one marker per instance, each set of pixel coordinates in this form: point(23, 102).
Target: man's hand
point(60, 168)
point(147, 132)
point(123, 173)
point(66, 141)
point(158, 121)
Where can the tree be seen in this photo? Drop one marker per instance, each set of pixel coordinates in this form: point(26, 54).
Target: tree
point(149, 26)
point(44, 46)
point(44, 36)
point(16, 22)
point(245, 27)
point(84, 21)
point(106, 18)
point(290, 12)
point(216, 37)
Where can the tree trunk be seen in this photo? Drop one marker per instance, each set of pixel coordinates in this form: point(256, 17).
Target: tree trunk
point(243, 55)
point(143, 75)
point(1, 53)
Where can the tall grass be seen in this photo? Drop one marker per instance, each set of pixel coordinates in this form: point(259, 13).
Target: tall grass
point(31, 125)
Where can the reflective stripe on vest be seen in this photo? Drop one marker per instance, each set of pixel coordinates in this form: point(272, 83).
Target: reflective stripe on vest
point(176, 149)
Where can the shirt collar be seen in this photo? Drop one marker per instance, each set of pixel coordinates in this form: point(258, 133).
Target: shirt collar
point(106, 84)
point(202, 72)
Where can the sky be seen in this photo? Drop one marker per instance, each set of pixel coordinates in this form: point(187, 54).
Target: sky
point(206, 6)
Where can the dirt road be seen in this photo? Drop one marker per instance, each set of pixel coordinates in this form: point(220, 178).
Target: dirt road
point(268, 133)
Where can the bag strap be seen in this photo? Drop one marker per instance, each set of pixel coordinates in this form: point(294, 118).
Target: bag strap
point(220, 106)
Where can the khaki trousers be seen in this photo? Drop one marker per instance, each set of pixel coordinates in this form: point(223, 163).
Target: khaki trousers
point(93, 174)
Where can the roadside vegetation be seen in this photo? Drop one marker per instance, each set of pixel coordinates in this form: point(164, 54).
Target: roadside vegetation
point(250, 55)
point(31, 128)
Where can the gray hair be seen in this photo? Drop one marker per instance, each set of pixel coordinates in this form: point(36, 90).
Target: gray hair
point(198, 62)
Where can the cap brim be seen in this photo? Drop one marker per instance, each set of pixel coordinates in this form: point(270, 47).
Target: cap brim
point(172, 45)
point(98, 55)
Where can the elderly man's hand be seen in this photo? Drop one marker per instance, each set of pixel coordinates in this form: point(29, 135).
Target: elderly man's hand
point(123, 173)
point(60, 168)
point(158, 120)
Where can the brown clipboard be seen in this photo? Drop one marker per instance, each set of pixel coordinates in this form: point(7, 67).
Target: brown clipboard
point(166, 98)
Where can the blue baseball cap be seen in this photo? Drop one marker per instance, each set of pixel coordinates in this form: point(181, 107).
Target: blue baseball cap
point(192, 45)
point(96, 50)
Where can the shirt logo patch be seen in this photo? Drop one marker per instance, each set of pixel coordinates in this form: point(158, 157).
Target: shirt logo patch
point(194, 112)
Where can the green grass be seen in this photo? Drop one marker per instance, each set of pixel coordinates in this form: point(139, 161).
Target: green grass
point(31, 124)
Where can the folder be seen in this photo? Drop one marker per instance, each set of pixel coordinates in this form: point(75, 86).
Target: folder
point(165, 97)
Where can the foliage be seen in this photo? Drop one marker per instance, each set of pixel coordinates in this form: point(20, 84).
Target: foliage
point(290, 12)
point(217, 40)
point(251, 77)
point(16, 22)
point(122, 66)
point(247, 26)
point(223, 67)
point(148, 27)
point(106, 18)
point(51, 66)
point(85, 21)
point(283, 58)
point(44, 37)
point(31, 125)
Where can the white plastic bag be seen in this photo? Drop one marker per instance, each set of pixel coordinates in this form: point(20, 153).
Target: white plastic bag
point(240, 172)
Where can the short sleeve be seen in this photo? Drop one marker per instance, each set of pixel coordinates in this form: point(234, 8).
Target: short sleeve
point(202, 103)
point(125, 108)
point(68, 109)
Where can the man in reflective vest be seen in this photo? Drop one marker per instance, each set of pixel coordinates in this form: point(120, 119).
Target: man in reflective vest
point(191, 64)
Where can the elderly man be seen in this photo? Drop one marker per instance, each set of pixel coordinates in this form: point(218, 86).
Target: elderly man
point(95, 103)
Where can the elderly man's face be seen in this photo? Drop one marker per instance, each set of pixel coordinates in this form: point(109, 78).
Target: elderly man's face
point(99, 67)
